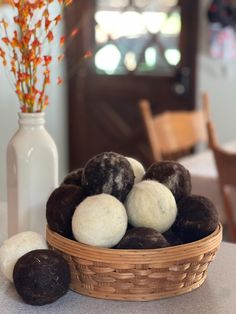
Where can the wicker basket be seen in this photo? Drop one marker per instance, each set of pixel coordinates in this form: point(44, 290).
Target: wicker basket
point(139, 275)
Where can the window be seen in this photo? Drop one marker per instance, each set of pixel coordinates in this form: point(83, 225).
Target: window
point(140, 36)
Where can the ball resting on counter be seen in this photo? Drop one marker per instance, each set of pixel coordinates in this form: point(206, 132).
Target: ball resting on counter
point(109, 173)
point(100, 220)
point(173, 175)
point(197, 218)
point(41, 277)
point(151, 204)
point(16, 246)
point(138, 169)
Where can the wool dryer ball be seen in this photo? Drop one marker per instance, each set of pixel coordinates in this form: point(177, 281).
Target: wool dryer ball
point(137, 168)
point(151, 204)
point(60, 208)
point(100, 220)
point(197, 218)
point(74, 177)
point(41, 277)
point(142, 238)
point(15, 247)
point(109, 173)
point(173, 175)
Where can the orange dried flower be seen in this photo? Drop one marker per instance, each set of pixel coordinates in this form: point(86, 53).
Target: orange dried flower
point(59, 80)
point(4, 23)
point(23, 50)
point(3, 56)
point(50, 36)
point(68, 2)
point(36, 43)
point(47, 60)
point(61, 57)
point(47, 23)
point(74, 32)
point(88, 54)
point(6, 40)
point(62, 41)
point(58, 19)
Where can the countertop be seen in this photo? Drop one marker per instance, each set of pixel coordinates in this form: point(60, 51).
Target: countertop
point(217, 295)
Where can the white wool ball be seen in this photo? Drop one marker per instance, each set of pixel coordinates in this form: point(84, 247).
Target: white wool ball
point(151, 204)
point(15, 247)
point(100, 220)
point(138, 169)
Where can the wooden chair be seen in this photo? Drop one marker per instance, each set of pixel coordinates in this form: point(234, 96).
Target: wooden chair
point(173, 134)
point(226, 166)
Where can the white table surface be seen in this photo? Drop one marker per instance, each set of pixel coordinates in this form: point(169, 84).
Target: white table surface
point(217, 295)
point(205, 177)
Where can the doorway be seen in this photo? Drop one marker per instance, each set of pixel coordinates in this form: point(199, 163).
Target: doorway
point(140, 49)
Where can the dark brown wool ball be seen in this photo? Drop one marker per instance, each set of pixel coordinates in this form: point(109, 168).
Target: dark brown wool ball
point(172, 238)
point(41, 277)
point(142, 238)
point(173, 175)
point(109, 173)
point(74, 177)
point(197, 218)
point(60, 208)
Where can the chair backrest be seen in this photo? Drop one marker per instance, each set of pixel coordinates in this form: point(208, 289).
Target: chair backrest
point(225, 160)
point(226, 167)
point(173, 134)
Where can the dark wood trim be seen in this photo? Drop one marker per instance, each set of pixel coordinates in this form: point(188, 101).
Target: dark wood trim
point(190, 20)
point(78, 15)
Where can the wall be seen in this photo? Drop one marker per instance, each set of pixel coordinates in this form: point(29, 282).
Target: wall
point(218, 78)
point(56, 115)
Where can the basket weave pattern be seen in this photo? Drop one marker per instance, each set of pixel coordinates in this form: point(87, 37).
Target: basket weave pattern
point(137, 274)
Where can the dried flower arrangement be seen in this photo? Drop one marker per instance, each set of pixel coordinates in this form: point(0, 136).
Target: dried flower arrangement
point(23, 49)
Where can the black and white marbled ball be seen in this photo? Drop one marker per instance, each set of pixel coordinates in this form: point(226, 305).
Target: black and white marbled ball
point(109, 173)
point(173, 175)
point(197, 218)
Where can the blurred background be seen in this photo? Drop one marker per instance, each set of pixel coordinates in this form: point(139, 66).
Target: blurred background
point(168, 52)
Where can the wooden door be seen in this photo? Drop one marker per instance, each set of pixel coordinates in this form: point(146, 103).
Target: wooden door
point(141, 49)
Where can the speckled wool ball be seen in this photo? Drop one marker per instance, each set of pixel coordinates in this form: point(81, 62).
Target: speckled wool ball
point(151, 204)
point(137, 168)
point(173, 175)
point(100, 220)
point(15, 247)
point(109, 173)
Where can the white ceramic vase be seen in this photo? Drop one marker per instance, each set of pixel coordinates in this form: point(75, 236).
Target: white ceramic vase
point(32, 174)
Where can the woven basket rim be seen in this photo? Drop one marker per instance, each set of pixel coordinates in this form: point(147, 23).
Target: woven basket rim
point(216, 231)
point(182, 251)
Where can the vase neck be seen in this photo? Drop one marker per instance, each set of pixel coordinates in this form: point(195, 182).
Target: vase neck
point(31, 119)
